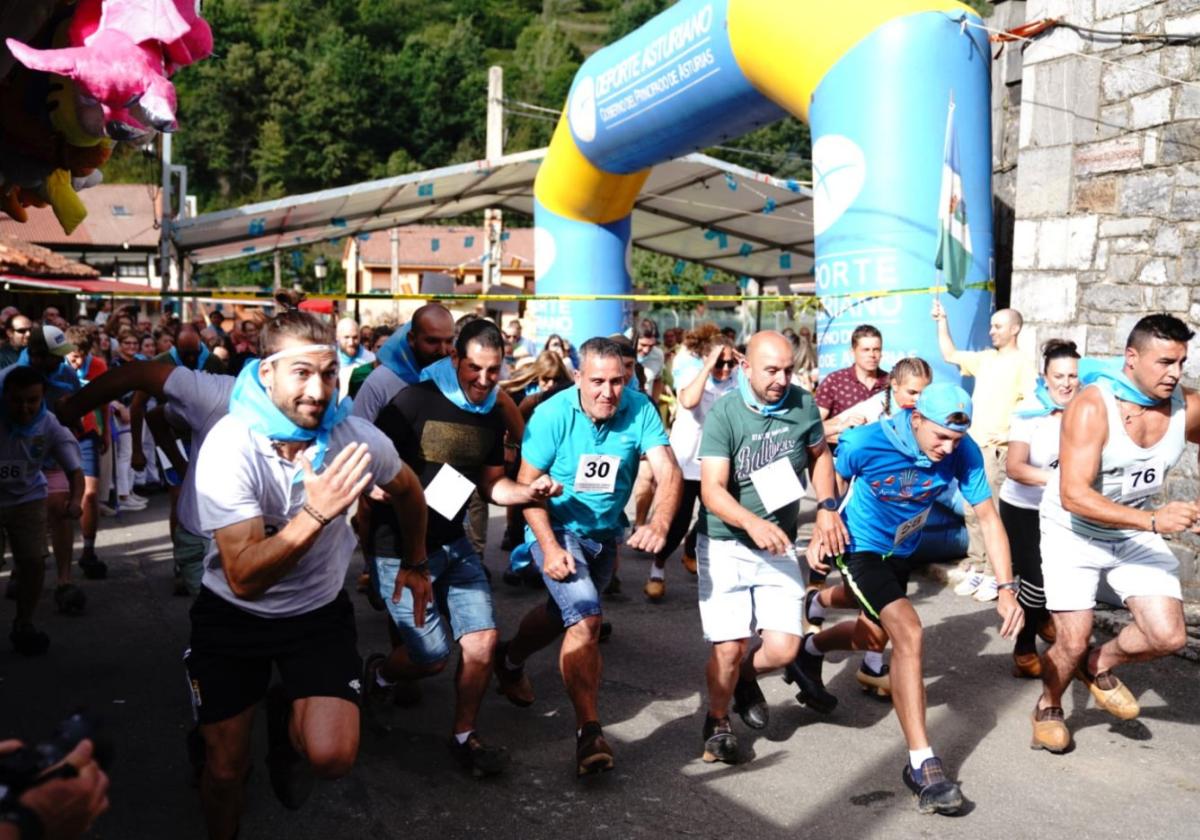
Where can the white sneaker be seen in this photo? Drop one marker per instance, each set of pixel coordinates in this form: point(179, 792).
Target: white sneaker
point(969, 584)
point(987, 591)
point(129, 504)
point(136, 498)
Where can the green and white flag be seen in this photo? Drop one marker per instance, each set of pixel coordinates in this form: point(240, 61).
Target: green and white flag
point(954, 233)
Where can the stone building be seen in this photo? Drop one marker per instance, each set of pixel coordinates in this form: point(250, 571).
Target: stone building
point(1096, 143)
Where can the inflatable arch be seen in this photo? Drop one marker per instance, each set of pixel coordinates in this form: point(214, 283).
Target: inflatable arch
point(873, 80)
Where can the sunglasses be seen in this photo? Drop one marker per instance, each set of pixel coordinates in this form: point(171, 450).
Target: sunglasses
point(726, 363)
point(24, 331)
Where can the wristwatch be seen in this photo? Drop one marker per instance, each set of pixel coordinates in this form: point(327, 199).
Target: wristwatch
point(28, 823)
point(828, 504)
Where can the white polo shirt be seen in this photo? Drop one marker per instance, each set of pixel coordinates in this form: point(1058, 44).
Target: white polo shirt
point(239, 476)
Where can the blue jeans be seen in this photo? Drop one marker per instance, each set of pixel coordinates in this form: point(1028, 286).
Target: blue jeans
point(578, 596)
point(461, 590)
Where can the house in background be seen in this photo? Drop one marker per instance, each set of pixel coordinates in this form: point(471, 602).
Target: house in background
point(119, 237)
point(33, 277)
point(431, 258)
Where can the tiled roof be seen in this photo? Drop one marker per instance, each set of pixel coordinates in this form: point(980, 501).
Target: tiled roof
point(417, 247)
point(29, 260)
point(118, 214)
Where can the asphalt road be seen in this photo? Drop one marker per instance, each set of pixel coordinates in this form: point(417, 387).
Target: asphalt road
point(808, 776)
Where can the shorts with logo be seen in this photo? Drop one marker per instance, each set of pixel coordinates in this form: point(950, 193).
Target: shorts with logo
point(232, 651)
point(875, 580)
point(578, 596)
point(462, 592)
point(745, 590)
point(1140, 565)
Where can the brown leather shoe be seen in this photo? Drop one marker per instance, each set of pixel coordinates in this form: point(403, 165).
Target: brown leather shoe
point(1027, 666)
point(592, 752)
point(655, 589)
point(511, 682)
point(1110, 693)
point(1050, 731)
point(689, 562)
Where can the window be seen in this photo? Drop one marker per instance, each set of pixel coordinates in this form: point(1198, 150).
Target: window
point(120, 210)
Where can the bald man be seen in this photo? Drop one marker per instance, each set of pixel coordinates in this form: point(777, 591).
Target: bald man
point(426, 338)
point(755, 443)
point(1004, 376)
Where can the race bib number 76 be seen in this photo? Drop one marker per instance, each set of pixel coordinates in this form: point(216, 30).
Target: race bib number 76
point(1143, 479)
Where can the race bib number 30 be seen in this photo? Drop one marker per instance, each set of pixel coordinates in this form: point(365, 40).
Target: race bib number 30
point(12, 471)
point(597, 474)
point(1141, 480)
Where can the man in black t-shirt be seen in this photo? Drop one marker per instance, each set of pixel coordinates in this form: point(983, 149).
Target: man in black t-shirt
point(449, 429)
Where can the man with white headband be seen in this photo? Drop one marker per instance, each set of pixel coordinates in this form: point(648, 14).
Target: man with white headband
point(899, 466)
point(275, 477)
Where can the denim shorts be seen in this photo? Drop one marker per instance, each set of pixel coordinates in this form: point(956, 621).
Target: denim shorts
point(89, 454)
point(462, 592)
point(578, 596)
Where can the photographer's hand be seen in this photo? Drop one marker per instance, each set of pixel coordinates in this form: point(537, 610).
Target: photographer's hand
point(68, 807)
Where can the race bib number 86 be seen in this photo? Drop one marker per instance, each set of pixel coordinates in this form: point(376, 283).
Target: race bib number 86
point(12, 471)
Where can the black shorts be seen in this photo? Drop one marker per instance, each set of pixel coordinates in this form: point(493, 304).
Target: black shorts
point(232, 651)
point(875, 580)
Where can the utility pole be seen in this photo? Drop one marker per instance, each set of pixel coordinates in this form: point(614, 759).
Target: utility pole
point(164, 229)
point(493, 222)
point(394, 238)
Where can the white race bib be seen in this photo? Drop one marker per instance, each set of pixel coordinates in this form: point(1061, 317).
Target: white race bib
point(911, 526)
point(448, 492)
point(1141, 480)
point(11, 471)
point(597, 473)
point(777, 485)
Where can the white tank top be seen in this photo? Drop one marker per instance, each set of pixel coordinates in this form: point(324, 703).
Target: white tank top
point(1129, 474)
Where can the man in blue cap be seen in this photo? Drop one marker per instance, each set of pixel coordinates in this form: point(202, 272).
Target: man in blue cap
point(899, 466)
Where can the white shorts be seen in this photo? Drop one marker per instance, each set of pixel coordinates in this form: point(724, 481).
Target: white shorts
point(744, 590)
point(1141, 565)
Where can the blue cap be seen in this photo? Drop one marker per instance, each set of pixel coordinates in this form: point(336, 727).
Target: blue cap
point(942, 399)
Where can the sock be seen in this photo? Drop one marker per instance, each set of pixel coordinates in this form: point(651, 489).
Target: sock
point(816, 609)
point(89, 545)
point(918, 757)
point(873, 659)
point(462, 737)
point(810, 646)
point(656, 573)
point(380, 681)
point(510, 665)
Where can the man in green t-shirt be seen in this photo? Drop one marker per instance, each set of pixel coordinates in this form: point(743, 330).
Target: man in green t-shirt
point(756, 443)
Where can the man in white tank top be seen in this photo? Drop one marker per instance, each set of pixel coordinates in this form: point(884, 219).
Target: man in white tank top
point(1120, 437)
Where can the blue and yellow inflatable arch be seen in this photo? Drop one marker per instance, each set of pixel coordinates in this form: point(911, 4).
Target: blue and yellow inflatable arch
point(873, 80)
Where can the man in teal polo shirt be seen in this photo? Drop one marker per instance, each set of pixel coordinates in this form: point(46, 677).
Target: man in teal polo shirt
point(589, 439)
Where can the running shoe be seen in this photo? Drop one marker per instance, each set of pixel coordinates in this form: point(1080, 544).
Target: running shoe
point(720, 744)
point(655, 589)
point(27, 640)
point(93, 568)
point(750, 704)
point(138, 498)
point(1110, 693)
point(1050, 731)
point(877, 683)
point(592, 752)
point(128, 504)
point(805, 672)
point(478, 758)
point(69, 599)
point(935, 794)
point(987, 590)
point(291, 777)
point(511, 682)
point(969, 584)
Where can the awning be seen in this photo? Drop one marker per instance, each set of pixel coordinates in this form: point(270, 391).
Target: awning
point(83, 287)
point(695, 208)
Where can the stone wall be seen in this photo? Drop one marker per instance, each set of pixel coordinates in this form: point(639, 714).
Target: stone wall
point(1107, 195)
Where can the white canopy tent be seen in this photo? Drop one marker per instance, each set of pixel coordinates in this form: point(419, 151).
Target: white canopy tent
point(694, 208)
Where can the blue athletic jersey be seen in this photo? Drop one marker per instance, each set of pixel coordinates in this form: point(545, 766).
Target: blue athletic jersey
point(891, 487)
point(560, 434)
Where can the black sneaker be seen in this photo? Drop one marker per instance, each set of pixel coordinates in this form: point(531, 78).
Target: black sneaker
point(750, 704)
point(809, 597)
point(291, 777)
point(27, 640)
point(478, 758)
point(720, 744)
point(93, 568)
point(805, 672)
point(69, 599)
point(935, 794)
point(592, 753)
